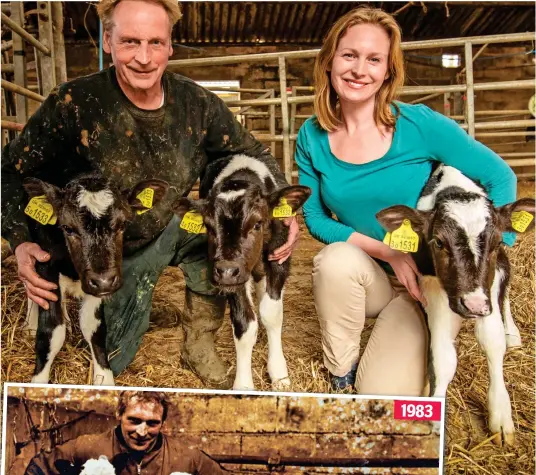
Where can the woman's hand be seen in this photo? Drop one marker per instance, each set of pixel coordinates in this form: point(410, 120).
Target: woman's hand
point(406, 272)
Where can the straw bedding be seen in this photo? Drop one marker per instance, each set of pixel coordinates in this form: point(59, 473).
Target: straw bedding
point(469, 448)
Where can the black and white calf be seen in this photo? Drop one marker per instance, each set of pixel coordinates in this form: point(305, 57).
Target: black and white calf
point(237, 202)
point(86, 248)
point(465, 275)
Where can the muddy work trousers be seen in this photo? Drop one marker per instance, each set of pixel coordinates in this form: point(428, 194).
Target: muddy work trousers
point(127, 312)
point(350, 286)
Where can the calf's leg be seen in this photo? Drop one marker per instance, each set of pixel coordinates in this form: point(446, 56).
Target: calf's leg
point(271, 314)
point(443, 325)
point(490, 334)
point(245, 325)
point(94, 330)
point(32, 317)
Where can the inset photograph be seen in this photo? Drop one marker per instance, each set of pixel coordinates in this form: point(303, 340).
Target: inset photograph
point(83, 430)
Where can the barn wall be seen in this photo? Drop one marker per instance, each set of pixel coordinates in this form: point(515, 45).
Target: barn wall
point(243, 425)
point(82, 59)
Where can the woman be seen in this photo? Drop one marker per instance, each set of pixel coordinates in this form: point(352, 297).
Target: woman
point(361, 153)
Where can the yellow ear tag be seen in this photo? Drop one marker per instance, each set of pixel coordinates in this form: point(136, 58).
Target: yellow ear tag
point(404, 238)
point(192, 222)
point(146, 197)
point(41, 210)
point(387, 239)
point(283, 210)
point(521, 220)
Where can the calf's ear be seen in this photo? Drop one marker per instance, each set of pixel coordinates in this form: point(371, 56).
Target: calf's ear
point(295, 195)
point(183, 205)
point(159, 187)
point(391, 218)
point(508, 221)
point(53, 194)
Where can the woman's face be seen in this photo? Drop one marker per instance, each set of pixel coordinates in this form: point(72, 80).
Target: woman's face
point(360, 64)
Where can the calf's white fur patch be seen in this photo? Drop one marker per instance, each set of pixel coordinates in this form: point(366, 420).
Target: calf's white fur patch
point(97, 203)
point(231, 195)
point(243, 161)
point(472, 217)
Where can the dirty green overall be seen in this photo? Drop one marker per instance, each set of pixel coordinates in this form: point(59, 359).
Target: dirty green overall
point(89, 124)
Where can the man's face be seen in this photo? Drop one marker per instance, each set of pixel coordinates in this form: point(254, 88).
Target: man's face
point(141, 423)
point(140, 45)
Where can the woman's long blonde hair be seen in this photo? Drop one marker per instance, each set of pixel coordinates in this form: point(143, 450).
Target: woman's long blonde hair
point(326, 100)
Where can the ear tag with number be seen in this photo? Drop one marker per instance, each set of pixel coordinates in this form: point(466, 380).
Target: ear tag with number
point(404, 238)
point(192, 222)
point(521, 220)
point(387, 239)
point(41, 210)
point(146, 197)
point(283, 210)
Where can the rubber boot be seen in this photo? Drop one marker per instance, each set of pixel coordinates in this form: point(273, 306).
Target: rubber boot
point(202, 318)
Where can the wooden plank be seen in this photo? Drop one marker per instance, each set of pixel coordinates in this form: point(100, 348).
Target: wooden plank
point(48, 70)
point(19, 63)
point(59, 42)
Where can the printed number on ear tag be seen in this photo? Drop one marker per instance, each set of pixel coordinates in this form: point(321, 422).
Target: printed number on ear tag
point(521, 220)
point(283, 210)
point(41, 210)
point(146, 197)
point(193, 223)
point(404, 238)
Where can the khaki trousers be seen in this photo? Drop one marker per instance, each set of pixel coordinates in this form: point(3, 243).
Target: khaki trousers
point(350, 286)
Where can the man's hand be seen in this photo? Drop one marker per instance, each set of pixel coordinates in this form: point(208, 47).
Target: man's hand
point(407, 273)
point(37, 288)
point(281, 254)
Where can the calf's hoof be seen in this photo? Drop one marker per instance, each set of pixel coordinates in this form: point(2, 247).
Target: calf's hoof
point(39, 379)
point(504, 438)
point(504, 431)
point(104, 378)
point(282, 384)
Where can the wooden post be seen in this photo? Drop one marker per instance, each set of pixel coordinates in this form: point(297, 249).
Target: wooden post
point(287, 165)
point(272, 121)
point(48, 70)
point(470, 93)
point(19, 63)
point(293, 119)
point(59, 42)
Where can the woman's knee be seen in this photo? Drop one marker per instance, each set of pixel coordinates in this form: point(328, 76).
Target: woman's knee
point(339, 260)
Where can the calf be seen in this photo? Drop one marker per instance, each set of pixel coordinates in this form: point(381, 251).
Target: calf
point(86, 256)
point(238, 198)
point(465, 274)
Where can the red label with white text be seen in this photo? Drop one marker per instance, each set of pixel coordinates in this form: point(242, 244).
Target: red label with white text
point(418, 410)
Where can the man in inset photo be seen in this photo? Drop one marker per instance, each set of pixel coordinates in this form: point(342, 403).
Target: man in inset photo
point(135, 446)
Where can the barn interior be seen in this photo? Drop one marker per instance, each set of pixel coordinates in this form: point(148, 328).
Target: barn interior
point(489, 95)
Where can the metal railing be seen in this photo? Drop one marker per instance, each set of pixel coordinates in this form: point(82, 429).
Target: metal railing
point(287, 135)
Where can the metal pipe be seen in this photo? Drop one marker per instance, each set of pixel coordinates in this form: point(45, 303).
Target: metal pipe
point(8, 68)
point(505, 124)
point(517, 154)
point(525, 175)
point(6, 124)
point(327, 461)
point(24, 34)
point(7, 45)
point(410, 45)
point(21, 90)
point(521, 162)
point(236, 89)
point(425, 98)
point(470, 95)
point(521, 133)
point(272, 122)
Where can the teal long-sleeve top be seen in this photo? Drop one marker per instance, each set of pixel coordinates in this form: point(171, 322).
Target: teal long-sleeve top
point(356, 192)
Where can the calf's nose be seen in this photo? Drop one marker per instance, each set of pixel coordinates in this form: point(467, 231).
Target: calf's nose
point(477, 303)
point(226, 271)
point(103, 282)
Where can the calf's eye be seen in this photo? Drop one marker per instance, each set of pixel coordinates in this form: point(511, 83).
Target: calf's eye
point(439, 243)
point(258, 225)
point(69, 231)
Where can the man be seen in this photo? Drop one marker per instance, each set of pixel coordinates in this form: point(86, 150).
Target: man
point(130, 121)
point(136, 445)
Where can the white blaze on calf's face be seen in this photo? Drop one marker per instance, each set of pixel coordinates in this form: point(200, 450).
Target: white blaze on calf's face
point(97, 203)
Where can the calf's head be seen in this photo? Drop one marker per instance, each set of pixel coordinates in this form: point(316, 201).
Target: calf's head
point(237, 215)
point(463, 236)
point(92, 215)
